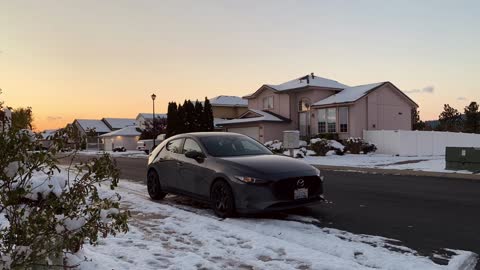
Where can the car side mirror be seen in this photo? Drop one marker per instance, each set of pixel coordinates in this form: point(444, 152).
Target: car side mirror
point(198, 156)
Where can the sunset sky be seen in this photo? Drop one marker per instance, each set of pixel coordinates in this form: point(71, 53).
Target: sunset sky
point(94, 59)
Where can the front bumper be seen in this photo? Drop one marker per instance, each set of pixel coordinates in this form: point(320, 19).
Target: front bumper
point(276, 196)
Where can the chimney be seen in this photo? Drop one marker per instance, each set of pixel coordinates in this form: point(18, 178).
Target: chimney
point(313, 76)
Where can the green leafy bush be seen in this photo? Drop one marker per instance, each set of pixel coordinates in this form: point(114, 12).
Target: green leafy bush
point(319, 146)
point(49, 213)
point(359, 146)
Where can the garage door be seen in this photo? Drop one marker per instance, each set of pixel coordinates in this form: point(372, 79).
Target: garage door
point(253, 132)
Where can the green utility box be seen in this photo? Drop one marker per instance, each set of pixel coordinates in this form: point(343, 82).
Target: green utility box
point(463, 158)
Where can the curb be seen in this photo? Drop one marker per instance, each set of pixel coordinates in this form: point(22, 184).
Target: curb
point(474, 177)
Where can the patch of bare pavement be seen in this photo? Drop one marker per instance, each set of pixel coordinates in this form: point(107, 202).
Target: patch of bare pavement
point(405, 172)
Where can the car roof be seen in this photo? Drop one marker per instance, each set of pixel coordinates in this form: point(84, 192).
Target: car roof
point(207, 134)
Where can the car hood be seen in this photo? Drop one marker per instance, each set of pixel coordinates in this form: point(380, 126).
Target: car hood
point(271, 164)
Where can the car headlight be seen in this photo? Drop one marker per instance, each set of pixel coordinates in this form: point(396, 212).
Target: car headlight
point(317, 172)
point(251, 180)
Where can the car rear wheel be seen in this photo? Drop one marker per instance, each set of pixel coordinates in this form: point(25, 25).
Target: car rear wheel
point(154, 187)
point(222, 199)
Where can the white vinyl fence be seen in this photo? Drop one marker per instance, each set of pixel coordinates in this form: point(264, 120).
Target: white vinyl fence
point(418, 143)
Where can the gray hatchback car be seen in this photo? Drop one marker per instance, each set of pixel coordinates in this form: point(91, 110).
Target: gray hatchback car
point(233, 172)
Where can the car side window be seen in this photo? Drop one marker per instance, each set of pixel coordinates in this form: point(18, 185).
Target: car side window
point(190, 146)
point(174, 146)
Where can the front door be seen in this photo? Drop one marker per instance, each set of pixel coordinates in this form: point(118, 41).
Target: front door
point(304, 123)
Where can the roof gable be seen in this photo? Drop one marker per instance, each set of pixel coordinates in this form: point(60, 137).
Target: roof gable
point(118, 123)
point(352, 94)
point(127, 131)
point(89, 124)
point(229, 101)
point(301, 82)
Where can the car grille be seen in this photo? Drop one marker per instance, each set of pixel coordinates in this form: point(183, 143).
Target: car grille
point(284, 189)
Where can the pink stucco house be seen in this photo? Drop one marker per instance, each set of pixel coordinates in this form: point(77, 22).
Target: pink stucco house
point(314, 105)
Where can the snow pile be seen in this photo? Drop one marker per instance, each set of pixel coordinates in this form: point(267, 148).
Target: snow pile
point(335, 144)
point(42, 185)
point(274, 145)
point(163, 236)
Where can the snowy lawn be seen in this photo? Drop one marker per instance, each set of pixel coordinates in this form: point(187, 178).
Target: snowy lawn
point(172, 235)
point(130, 153)
point(379, 161)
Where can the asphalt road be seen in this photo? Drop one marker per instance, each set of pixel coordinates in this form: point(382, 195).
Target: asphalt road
point(425, 213)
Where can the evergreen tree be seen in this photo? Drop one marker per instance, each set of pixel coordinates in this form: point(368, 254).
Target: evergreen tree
point(417, 124)
point(208, 116)
point(198, 116)
point(172, 119)
point(189, 116)
point(472, 118)
point(150, 132)
point(181, 113)
point(450, 119)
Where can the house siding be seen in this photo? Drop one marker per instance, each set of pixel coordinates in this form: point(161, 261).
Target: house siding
point(274, 131)
point(281, 102)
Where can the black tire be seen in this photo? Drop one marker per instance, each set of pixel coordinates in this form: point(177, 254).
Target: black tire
point(222, 199)
point(154, 187)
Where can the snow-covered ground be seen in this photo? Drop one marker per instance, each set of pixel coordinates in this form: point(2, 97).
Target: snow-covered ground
point(172, 235)
point(130, 153)
point(379, 161)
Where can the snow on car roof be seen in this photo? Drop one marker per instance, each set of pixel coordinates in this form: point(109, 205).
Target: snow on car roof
point(229, 101)
point(127, 131)
point(118, 123)
point(89, 124)
point(349, 94)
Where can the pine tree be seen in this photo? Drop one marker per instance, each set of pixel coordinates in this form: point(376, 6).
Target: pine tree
point(181, 113)
point(198, 116)
point(450, 119)
point(189, 116)
point(172, 119)
point(417, 124)
point(472, 118)
point(208, 116)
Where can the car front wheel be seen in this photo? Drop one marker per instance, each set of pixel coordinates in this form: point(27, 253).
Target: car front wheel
point(153, 186)
point(222, 199)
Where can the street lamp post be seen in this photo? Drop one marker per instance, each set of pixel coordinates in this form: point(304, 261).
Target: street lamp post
point(153, 120)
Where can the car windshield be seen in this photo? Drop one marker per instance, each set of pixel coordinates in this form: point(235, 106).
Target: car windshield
point(233, 146)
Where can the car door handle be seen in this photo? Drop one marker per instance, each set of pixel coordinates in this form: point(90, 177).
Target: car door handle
point(179, 163)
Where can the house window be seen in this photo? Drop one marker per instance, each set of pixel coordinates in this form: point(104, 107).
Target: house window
point(304, 105)
point(343, 118)
point(268, 103)
point(327, 120)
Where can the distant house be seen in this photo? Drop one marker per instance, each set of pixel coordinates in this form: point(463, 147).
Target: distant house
point(228, 107)
point(143, 118)
point(314, 105)
point(91, 129)
point(119, 123)
point(46, 138)
point(126, 137)
point(86, 126)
